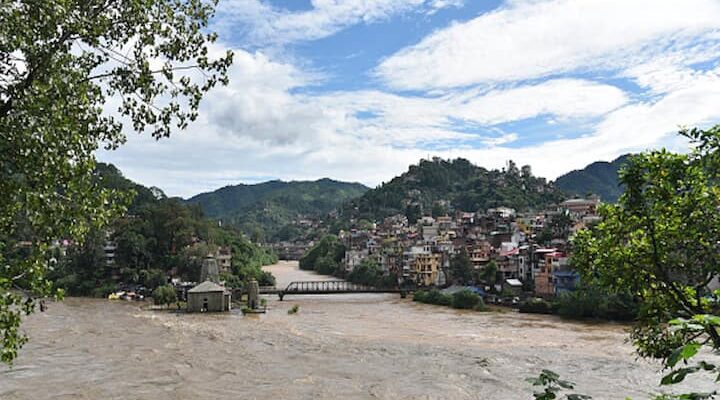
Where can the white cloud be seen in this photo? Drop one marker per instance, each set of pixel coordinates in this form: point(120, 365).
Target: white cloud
point(564, 98)
point(527, 39)
point(264, 24)
point(264, 124)
point(331, 141)
point(258, 126)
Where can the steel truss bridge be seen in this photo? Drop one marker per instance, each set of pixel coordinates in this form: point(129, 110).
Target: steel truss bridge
point(327, 287)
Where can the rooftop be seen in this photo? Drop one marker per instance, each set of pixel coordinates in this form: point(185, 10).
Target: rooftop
point(207, 286)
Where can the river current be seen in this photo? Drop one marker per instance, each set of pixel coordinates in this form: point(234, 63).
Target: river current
point(336, 347)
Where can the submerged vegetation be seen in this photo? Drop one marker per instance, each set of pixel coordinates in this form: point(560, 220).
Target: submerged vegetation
point(462, 299)
point(586, 303)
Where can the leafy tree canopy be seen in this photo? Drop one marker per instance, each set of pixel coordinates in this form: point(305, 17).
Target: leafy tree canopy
point(61, 63)
point(661, 243)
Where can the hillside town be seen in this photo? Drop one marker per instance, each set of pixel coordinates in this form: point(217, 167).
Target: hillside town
point(528, 251)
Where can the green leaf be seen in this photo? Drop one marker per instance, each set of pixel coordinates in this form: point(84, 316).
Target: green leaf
point(683, 353)
point(678, 375)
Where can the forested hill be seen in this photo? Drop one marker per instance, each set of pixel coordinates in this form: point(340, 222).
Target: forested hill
point(600, 178)
point(269, 211)
point(436, 186)
point(110, 177)
point(157, 238)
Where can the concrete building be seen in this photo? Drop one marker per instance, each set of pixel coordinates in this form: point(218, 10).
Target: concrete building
point(208, 297)
point(224, 259)
point(581, 207)
point(427, 269)
point(109, 249)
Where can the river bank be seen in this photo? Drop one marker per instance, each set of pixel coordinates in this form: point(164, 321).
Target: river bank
point(337, 346)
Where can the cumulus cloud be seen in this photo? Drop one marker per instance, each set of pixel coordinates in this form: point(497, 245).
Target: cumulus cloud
point(527, 39)
point(623, 75)
point(261, 126)
point(263, 24)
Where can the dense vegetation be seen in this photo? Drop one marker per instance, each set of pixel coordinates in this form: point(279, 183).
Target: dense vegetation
point(269, 211)
point(61, 76)
point(587, 302)
point(599, 178)
point(325, 257)
point(462, 299)
point(659, 244)
point(437, 186)
point(370, 273)
point(164, 295)
point(158, 237)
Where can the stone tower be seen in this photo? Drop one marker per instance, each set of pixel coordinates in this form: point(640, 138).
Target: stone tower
point(209, 271)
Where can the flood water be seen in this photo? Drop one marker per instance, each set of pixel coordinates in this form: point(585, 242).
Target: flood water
point(337, 347)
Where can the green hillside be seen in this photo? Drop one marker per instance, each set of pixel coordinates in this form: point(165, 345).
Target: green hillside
point(157, 238)
point(270, 210)
point(600, 178)
point(437, 186)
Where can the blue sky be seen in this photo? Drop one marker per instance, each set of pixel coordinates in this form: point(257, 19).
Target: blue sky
point(357, 90)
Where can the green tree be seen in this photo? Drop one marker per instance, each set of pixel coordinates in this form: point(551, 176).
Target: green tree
point(62, 61)
point(461, 267)
point(659, 243)
point(164, 295)
point(489, 273)
point(370, 273)
point(439, 209)
point(325, 257)
point(84, 267)
point(466, 299)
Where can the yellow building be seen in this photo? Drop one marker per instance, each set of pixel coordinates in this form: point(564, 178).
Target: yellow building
point(427, 268)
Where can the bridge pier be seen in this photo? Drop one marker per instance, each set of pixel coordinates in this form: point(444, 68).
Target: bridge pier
point(281, 295)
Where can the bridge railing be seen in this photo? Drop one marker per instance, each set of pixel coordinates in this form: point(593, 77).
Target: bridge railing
point(327, 286)
point(332, 287)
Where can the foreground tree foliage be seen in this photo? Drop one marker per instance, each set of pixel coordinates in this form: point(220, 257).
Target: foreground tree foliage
point(61, 63)
point(661, 244)
point(552, 386)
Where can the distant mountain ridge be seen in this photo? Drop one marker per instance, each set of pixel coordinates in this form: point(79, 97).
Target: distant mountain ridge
point(600, 178)
point(270, 209)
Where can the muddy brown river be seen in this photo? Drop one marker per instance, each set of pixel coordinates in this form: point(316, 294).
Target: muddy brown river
point(337, 347)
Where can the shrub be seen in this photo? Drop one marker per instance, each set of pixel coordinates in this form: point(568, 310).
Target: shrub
point(465, 299)
point(589, 302)
point(420, 296)
point(294, 309)
point(104, 290)
point(435, 296)
point(165, 294)
point(266, 279)
point(537, 306)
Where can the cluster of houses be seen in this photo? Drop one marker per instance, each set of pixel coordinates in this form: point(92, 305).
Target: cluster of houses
point(420, 254)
